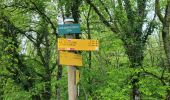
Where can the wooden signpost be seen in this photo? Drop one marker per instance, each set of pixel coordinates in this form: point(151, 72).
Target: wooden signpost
point(72, 87)
point(78, 44)
point(67, 55)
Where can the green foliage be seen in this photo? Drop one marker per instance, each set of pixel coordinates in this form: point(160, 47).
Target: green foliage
point(31, 26)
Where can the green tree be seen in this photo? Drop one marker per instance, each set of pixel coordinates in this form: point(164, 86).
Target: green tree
point(165, 31)
point(36, 27)
point(126, 18)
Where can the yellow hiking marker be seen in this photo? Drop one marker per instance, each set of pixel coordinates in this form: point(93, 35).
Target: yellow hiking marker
point(72, 59)
point(77, 76)
point(77, 44)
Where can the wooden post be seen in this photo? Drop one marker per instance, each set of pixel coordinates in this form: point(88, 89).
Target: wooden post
point(72, 88)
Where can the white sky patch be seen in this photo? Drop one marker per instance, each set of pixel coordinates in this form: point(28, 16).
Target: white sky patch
point(23, 45)
point(60, 19)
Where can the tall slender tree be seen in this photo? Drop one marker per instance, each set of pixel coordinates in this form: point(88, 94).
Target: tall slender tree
point(165, 20)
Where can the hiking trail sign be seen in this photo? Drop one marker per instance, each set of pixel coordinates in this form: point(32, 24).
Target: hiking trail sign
point(69, 29)
point(72, 59)
point(77, 44)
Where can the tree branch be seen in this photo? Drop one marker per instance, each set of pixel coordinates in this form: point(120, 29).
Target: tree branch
point(45, 16)
point(162, 79)
point(141, 8)
point(167, 14)
point(5, 75)
point(102, 18)
point(158, 12)
point(129, 12)
point(6, 19)
point(149, 29)
point(107, 11)
point(53, 67)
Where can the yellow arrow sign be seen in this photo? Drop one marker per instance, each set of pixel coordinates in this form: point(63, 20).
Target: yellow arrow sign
point(77, 44)
point(72, 59)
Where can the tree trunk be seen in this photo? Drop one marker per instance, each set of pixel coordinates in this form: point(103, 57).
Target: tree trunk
point(46, 63)
point(135, 87)
point(59, 76)
point(47, 88)
point(134, 51)
point(166, 39)
point(166, 33)
point(47, 92)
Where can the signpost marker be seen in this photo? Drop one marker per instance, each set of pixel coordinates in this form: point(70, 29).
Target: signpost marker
point(72, 88)
point(78, 44)
point(69, 58)
point(69, 29)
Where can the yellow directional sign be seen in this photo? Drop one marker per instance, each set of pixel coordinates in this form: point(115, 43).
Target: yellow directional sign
point(72, 59)
point(77, 44)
